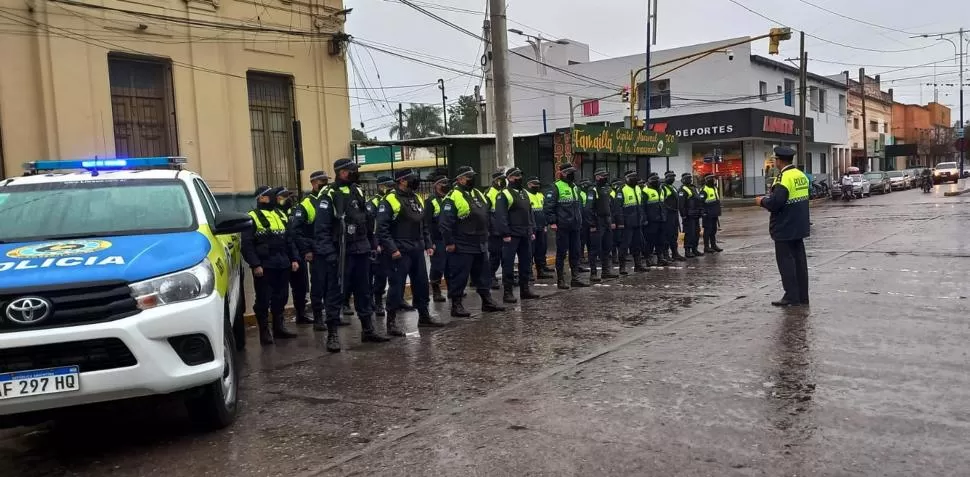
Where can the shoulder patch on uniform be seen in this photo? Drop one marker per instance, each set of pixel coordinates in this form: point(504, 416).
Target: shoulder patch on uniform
point(324, 204)
point(549, 195)
point(382, 208)
point(298, 212)
point(448, 206)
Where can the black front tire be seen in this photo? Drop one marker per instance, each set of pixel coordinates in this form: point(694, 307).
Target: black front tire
point(216, 405)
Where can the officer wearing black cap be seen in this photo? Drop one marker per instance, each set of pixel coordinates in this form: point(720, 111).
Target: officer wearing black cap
point(584, 186)
point(514, 222)
point(564, 214)
point(344, 236)
point(629, 222)
point(668, 194)
point(601, 211)
point(439, 261)
point(617, 186)
point(405, 238)
point(712, 213)
point(691, 209)
point(380, 264)
point(301, 223)
point(541, 244)
point(494, 239)
point(789, 226)
point(300, 279)
point(656, 215)
point(464, 228)
point(269, 250)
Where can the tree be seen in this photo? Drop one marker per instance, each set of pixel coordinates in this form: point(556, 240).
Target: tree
point(358, 135)
point(419, 121)
point(463, 116)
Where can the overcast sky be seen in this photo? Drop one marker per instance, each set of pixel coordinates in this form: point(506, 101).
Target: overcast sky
point(617, 27)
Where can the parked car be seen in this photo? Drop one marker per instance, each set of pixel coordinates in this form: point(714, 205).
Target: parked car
point(946, 172)
point(909, 178)
point(898, 180)
point(879, 182)
point(861, 186)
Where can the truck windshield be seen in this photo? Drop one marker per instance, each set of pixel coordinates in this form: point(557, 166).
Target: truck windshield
point(93, 208)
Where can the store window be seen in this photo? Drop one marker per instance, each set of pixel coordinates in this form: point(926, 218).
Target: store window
point(723, 160)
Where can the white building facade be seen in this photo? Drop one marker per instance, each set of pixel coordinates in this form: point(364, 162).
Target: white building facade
point(728, 109)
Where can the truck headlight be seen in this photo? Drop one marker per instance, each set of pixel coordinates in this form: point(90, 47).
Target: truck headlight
point(190, 284)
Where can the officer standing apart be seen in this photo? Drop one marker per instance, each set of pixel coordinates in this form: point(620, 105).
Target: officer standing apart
point(564, 215)
point(541, 242)
point(691, 209)
point(656, 217)
point(514, 221)
point(712, 213)
point(269, 250)
point(600, 208)
point(672, 225)
point(439, 261)
point(494, 239)
point(344, 236)
point(402, 231)
point(789, 226)
point(630, 202)
point(304, 214)
point(464, 228)
point(380, 264)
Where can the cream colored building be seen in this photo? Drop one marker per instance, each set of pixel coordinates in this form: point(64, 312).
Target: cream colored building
point(225, 83)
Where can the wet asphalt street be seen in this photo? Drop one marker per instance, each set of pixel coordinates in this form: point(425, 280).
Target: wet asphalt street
point(679, 371)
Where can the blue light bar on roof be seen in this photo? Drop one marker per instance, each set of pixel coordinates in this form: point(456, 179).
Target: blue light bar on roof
point(106, 164)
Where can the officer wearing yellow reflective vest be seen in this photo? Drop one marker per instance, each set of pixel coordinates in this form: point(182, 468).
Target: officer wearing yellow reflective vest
point(402, 231)
point(629, 222)
point(600, 200)
point(439, 261)
point(269, 250)
point(789, 226)
point(564, 213)
point(380, 262)
point(712, 213)
point(301, 223)
point(514, 222)
point(464, 228)
point(691, 210)
point(541, 243)
point(672, 225)
point(494, 239)
point(655, 214)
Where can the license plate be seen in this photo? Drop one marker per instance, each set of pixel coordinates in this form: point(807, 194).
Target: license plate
point(39, 381)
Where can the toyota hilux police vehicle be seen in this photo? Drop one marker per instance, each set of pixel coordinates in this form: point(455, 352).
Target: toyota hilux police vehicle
point(119, 278)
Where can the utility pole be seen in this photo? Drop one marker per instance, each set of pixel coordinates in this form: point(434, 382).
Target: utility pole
point(444, 108)
point(489, 117)
point(962, 124)
point(651, 40)
point(400, 121)
point(502, 103)
point(802, 100)
point(480, 121)
point(572, 114)
point(865, 123)
point(959, 50)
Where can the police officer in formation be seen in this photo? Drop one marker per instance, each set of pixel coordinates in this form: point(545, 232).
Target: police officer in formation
point(299, 279)
point(691, 210)
point(671, 226)
point(515, 223)
point(656, 216)
point(464, 227)
point(301, 224)
point(789, 226)
point(541, 243)
point(629, 222)
point(271, 253)
point(564, 214)
point(712, 213)
point(602, 223)
point(380, 263)
point(494, 239)
point(405, 239)
point(344, 237)
point(439, 261)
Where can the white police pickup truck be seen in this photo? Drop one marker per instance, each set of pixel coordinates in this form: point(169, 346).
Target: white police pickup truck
point(119, 278)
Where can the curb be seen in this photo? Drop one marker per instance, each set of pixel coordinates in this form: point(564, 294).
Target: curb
point(956, 193)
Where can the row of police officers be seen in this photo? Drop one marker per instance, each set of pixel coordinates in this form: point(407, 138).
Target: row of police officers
point(340, 244)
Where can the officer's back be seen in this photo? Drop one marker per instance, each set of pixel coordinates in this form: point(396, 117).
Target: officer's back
point(790, 215)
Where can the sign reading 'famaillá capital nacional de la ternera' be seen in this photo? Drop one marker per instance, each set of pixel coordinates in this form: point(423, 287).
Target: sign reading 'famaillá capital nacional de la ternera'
point(623, 141)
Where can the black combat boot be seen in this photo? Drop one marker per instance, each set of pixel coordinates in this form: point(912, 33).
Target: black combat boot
point(688, 253)
point(379, 305)
point(489, 305)
point(623, 270)
point(303, 316)
point(318, 323)
point(561, 280)
point(346, 310)
point(436, 295)
point(526, 293)
point(541, 273)
point(677, 256)
point(638, 265)
point(714, 246)
point(370, 335)
point(458, 309)
point(496, 284)
point(594, 276)
point(575, 282)
point(698, 253)
point(405, 306)
point(333, 341)
point(608, 271)
point(279, 329)
point(265, 336)
point(508, 296)
point(425, 321)
point(582, 269)
point(662, 261)
point(392, 329)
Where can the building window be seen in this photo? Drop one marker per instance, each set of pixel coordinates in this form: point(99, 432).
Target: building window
point(855, 123)
point(142, 106)
point(271, 126)
point(808, 163)
point(780, 90)
point(821, 100)
point(885, 128)
point(813, 98)
point(873, 126)
point(763, 90)
point(842, 106)
point(789, 92)
point(823, 167)
point(659, 94)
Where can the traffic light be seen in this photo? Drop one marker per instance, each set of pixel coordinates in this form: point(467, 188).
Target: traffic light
point(625, 94)
point(776, 36)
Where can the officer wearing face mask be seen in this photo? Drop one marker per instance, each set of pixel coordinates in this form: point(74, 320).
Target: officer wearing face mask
point(513, 220)
point(712, 213)
point(656, 217)
point(617, 186)
point(541, 243)
point(564, 214)
point(630, 202)
point(600, 200)
point(344, 236)
point(668, 194)
point(464, 229)
point(301, 223)
point(439, 261)
point(585, 186)
point(691, 209)
point(494, 238)
point(380, 264)
point(300, 279)
point(402, 231)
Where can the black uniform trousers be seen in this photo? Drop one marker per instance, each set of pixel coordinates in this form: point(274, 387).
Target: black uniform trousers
point(691, 232)
point(710, 231)
point(300, 285)
point(318, 284)
point(652, 239)
point(567, 242)
point(272, 293)
point(461, 267)
point(379, 267)
point(411, 264)
point(600, 244)
point(631, 243)
point(585, 249)
point(670, 231)
point(793, 267)
point(439, 262)
point(494, 253)
point(539, 248)
point(520, 247)
point(356, 281)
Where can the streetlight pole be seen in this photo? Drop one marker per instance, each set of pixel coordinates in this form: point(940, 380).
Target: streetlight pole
point(960, 53)
point(651, 40)
point(444, 109)
point(503, 97)
point(536, 42)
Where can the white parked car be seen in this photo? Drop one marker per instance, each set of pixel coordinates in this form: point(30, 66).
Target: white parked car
point(898, 180)
point(861, 186)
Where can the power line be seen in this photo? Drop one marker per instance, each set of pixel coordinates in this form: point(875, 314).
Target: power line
point(847, 17)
